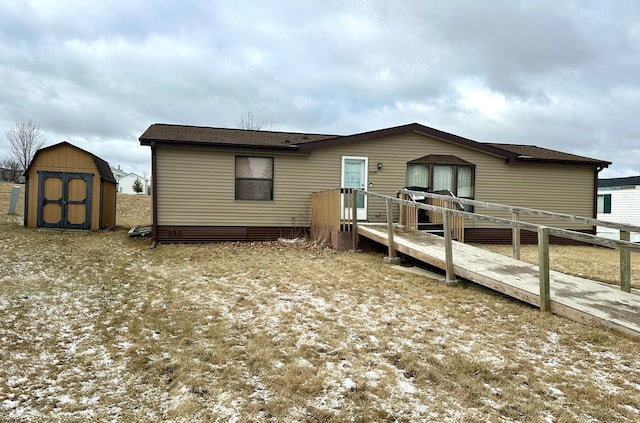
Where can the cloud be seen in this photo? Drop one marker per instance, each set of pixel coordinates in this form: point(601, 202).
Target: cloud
point(558, 74)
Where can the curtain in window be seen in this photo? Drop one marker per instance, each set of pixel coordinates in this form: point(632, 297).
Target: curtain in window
point(254, 178)
point(465, 187)
point(418, 176)
point(254, 167)
point(443, 178)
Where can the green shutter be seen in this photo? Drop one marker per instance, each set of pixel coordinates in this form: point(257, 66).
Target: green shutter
point(607, 203)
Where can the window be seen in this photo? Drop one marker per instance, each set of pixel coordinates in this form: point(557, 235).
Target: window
point(418, 175)
point(458, 179)
point(254, 178)
point(604, 203)
point(442, 172)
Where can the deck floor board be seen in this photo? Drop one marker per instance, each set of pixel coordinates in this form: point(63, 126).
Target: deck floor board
point(579, 299)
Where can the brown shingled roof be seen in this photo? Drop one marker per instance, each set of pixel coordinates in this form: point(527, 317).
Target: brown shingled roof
point(200, 135)
point(305, 143)
point(440, 159)
point(535, 153)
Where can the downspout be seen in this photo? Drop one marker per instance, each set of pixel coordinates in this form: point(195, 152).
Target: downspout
point(599, 169)
point(154, 197)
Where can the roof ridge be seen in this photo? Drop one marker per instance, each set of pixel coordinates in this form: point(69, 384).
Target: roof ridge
point(244, 130)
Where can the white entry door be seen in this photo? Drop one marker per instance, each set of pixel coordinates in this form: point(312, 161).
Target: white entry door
point(354, 175)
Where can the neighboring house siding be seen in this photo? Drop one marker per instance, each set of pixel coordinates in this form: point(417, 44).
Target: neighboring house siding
point(205, 194)
point(625, 208)
point(125, 184)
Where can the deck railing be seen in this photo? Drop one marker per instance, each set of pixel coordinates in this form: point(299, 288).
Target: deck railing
point(409, 214)
point(331, 214)
point(623, 245)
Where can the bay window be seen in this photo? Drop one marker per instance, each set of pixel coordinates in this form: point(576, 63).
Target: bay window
point(443, 172)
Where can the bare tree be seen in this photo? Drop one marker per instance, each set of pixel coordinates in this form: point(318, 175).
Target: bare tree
point(249, 121)
point(25, 138)
point(9, 170)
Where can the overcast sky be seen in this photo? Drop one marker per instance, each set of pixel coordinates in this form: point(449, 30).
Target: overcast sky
point(554, 73)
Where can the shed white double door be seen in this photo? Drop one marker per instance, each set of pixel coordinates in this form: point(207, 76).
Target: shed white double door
point(354, 175)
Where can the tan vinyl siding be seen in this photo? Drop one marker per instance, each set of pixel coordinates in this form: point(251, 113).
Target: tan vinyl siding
point(196, 187)
point(558, 188)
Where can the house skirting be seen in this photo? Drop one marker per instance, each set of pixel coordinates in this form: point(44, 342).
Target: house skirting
point(199, 234)
point(503, 236)
point(340, 240)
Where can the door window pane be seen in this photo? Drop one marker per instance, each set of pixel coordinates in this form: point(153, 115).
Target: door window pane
point(353, 174)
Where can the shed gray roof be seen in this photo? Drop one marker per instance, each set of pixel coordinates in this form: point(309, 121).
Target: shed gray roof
point(305, 143)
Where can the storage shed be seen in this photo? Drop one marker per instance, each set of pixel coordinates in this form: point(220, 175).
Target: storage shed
point(69, 188)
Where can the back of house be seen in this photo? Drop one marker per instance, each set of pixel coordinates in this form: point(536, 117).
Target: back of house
point(218, 184)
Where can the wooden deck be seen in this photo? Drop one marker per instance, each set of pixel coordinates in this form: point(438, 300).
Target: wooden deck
point(579, 299)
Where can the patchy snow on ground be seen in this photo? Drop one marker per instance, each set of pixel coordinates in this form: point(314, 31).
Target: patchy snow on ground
point(94, 328)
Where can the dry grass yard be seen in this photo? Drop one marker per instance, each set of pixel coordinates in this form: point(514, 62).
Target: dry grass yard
point(98, 327)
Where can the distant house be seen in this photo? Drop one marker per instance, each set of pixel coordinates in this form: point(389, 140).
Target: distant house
point(117, 172)
point(125, 184)
point(126, 180)
point(9, 175)
point(619, 201)
point(250, 185)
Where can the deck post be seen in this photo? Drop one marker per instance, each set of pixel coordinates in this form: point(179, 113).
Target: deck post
point(543, 266)
point(448, 246)
point(354, 220)
point(625, 263)
point(515, 236)
point(391, 259)
point(402, 211)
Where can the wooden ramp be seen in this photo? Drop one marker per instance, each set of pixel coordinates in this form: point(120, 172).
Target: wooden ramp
point(579, 299)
